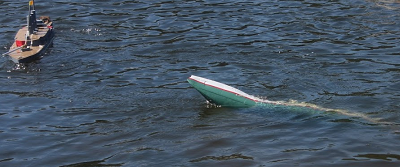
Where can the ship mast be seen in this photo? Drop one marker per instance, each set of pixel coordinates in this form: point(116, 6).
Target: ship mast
point(32, 27)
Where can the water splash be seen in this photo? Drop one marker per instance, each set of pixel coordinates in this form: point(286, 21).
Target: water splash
point(90, 31)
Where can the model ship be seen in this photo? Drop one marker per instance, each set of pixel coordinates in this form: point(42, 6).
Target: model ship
point(32, 40)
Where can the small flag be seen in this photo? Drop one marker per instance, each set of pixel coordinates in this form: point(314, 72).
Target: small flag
point(30, 3)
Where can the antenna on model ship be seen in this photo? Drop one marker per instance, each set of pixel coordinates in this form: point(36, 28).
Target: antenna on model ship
point(32, 27)
point(31, 24)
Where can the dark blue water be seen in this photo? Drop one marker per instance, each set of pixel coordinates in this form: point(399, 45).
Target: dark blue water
point(113, 92)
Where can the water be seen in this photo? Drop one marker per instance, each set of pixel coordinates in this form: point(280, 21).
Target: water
point(113, 92)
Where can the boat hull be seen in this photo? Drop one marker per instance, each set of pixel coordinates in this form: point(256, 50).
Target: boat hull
point(221, 94)
point(226, 96)
point(36, 51)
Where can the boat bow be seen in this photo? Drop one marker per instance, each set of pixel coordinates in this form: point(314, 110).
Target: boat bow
point(222, 94)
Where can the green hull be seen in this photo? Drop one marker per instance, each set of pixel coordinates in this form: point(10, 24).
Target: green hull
point(221, 94)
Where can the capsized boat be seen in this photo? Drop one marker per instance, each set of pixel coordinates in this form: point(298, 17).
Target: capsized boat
point(221, 94)
point(226, 96)
point(32, 40)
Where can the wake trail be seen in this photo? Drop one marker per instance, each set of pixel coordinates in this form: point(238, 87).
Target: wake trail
point(294, 103)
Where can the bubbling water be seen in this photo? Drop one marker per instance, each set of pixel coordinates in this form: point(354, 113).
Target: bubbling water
point(93, 31)
point(293, 104)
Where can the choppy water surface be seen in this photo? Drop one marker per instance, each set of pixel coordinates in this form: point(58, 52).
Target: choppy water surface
point(113, 92)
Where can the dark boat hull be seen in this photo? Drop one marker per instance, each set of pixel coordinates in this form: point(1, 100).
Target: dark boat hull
point(38, 55)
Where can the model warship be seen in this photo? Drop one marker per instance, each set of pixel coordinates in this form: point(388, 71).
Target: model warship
point(32, 40)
